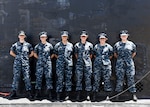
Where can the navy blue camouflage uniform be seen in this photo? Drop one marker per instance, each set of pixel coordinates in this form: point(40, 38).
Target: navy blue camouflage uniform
point(21, 64)
point(102, 66)
point(64, 65)
point(83, 65)
point(125, 65)
point(44, 65)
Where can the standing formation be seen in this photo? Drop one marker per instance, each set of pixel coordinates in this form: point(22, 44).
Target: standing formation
point(93, 65)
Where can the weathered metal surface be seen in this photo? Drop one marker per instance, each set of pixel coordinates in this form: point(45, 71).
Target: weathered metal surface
point(95, 16)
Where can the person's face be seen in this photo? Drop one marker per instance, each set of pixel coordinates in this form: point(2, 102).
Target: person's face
point(102, 40)
point(64, 38)
point(21, 37)
point(43, 38)
point(124, 37)
point(83, 38)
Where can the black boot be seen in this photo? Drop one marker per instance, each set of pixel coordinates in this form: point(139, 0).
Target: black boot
point(94, 96)
point(12, 95)
point(29, 95)
point(108, 93)
point(117, 98)
point(78, 95)
point(134, 97)
point(88, 96)
point(37, 95)
point(67, 96)
point(58, 96)
point(49, 93)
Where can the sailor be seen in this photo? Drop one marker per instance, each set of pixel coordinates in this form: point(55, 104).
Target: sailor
point(83, 53)
point(21, 51)
point(64, 63)
point(125, 51)
point(103, 52)
point(43, 52)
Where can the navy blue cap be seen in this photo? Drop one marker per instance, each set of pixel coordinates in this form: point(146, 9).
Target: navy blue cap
point(22, 33)
point(64, 33)
point(43, 34)
point(84, 33)
point(102, 35)
point(124, 33)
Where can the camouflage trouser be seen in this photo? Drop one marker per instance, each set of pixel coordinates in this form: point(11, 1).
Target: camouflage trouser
point(46, 70)
point(123, 68)
point(64, 75)
point(17, 70)
point(102, 72)
point(86, 71)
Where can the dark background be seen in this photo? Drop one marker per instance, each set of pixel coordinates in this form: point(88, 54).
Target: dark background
point(95, 16)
